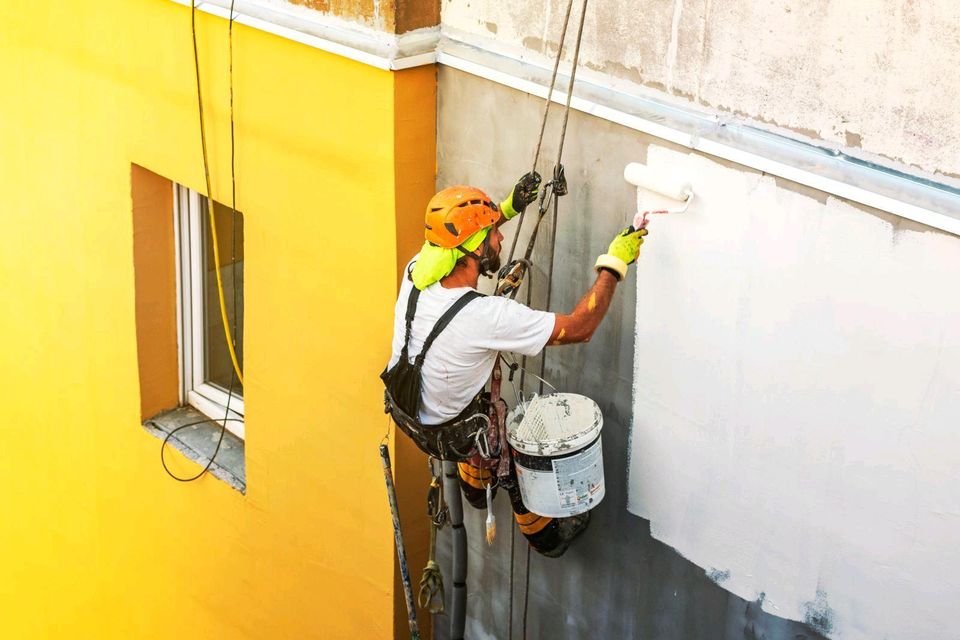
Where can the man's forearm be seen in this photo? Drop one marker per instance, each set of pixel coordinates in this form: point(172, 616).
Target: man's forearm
point(579, 325)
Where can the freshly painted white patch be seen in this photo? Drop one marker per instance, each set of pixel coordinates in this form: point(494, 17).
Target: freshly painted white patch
point(797, 403)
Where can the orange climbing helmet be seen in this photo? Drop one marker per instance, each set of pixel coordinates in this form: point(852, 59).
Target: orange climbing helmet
point(456, 213)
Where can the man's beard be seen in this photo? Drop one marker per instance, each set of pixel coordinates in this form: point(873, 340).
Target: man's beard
point(490, 261)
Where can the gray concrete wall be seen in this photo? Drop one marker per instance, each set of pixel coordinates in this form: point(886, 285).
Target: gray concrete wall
point(617, 581)
point(876, 76)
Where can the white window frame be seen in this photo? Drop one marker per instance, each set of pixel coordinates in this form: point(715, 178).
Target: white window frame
point(190, 261)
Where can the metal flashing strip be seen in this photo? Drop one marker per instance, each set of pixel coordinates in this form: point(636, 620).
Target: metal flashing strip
point(832, 171)
point(333, 35)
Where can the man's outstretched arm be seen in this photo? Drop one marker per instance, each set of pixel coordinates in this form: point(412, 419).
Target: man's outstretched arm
point(579, 325)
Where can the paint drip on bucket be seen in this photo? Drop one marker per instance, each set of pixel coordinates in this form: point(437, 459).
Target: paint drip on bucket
point(558, 453)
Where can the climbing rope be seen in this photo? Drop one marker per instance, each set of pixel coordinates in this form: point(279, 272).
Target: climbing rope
point(551, 188)
point(546, 113)
point(517, 270)
point(526, 594)
point(556, 187)
point(511, 278)
point(553, 83)
point(513, 540)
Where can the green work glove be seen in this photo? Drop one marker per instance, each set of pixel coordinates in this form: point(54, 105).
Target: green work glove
point(623, 251)
point(523, 193)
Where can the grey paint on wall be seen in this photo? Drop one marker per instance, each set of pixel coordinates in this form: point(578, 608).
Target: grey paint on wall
point(617, 581)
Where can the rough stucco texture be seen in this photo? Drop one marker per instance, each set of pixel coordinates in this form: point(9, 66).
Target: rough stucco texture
point(395, 16)
point(875, 74)
point(617, 581)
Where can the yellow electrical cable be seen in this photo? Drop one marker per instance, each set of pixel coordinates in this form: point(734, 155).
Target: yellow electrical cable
point(213, 225)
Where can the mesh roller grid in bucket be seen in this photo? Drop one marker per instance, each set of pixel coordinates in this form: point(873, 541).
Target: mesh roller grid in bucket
point(553, 423)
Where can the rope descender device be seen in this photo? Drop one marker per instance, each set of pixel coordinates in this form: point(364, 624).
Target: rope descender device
point(511, 275)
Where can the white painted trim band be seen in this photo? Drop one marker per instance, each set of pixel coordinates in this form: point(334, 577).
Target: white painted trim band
point(832, 172)
point(214, 411)
point(333, 35)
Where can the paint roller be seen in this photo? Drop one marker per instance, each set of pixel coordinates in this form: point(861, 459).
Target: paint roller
point(657, 192)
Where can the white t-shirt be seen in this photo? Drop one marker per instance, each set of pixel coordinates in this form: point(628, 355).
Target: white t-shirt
point(461, 359)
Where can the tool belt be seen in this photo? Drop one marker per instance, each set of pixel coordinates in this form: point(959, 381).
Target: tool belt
point(457, 440)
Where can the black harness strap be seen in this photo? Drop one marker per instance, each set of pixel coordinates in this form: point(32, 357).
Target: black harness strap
point(453, 440)
point(411, 312)
point(442, 323)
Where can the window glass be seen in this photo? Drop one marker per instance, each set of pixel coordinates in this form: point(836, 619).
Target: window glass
point(217, 364)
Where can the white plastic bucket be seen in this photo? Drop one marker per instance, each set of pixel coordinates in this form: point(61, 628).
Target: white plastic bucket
point(558, 453)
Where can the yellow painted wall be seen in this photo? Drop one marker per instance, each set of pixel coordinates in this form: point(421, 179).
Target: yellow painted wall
point(95, 540)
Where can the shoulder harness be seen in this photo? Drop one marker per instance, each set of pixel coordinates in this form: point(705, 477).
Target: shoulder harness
point(456, 439)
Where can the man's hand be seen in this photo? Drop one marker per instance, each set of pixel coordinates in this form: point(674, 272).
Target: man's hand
point(524, 192)
point(623, 251)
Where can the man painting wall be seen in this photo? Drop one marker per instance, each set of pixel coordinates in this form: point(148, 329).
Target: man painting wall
point(447, 338)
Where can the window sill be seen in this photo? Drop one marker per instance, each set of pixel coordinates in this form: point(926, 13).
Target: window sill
point(198, 443)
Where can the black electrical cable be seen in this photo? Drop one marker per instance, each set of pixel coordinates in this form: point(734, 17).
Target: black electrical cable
point(233, 224)
point(184, 426)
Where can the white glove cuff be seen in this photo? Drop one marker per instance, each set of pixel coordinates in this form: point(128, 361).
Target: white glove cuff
point(615, 264)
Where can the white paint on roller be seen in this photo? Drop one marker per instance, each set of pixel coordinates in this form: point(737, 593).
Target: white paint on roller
point(658, 191)
point(659, 180)
point(797, 404)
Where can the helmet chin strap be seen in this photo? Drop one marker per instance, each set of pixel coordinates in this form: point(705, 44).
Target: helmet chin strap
point(483, 262)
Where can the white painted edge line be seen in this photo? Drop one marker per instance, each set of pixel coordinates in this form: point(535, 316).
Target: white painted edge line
point(214, 411)
point(387, 56)
point(220, 397)
point(381, 50)
point(694, 142)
